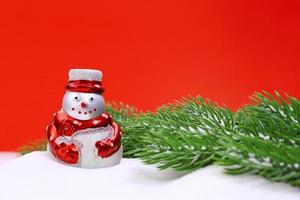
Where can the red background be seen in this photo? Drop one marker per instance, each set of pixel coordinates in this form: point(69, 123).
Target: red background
point(151, 52)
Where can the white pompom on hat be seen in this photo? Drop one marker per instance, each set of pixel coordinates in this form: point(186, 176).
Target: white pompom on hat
point(85, 80)
point(85, 74)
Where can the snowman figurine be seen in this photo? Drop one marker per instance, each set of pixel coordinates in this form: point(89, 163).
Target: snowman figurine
point(82, 134)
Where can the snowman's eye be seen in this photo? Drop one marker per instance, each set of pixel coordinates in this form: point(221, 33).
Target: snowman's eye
point(76, 98)
point(92, 99)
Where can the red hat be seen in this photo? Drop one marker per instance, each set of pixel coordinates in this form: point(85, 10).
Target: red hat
point(85, 80)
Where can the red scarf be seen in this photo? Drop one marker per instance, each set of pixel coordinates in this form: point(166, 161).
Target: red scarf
point(67, 125)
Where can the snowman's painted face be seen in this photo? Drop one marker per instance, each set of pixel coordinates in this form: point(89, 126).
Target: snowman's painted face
point(83, 106)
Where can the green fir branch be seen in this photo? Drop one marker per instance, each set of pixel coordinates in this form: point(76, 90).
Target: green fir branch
point(37, 145)
point(262, 138)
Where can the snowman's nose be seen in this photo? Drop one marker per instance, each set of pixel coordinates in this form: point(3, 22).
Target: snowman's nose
point(83, 105)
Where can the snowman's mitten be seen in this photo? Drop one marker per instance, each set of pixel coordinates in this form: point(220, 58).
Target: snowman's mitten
point(67, 152)
point(111, 145)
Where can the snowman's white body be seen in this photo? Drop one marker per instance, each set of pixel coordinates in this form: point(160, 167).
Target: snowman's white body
point(85, 140)
point(88, 154)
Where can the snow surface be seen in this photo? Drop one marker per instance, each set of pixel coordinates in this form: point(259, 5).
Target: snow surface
point(36, 176)
point(6, 156)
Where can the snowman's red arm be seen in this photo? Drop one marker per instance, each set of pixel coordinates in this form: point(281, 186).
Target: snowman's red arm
point(111, 145)
point(52, 133)
point(65, 152)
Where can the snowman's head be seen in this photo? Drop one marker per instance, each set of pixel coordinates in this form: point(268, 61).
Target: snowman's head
point(83, 99)
point(83, 106)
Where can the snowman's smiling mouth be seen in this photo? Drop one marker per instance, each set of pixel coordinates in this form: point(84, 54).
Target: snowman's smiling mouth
point(84, 112)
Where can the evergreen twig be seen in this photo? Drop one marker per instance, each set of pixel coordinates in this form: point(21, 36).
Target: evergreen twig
point(262, 138)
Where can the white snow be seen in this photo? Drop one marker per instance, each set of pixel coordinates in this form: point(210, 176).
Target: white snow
point(200, 130)
point(192, 130)
point(36, 176)
point(6, 156)
point(282, 113)
point(263, 136)
point(294, 120)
